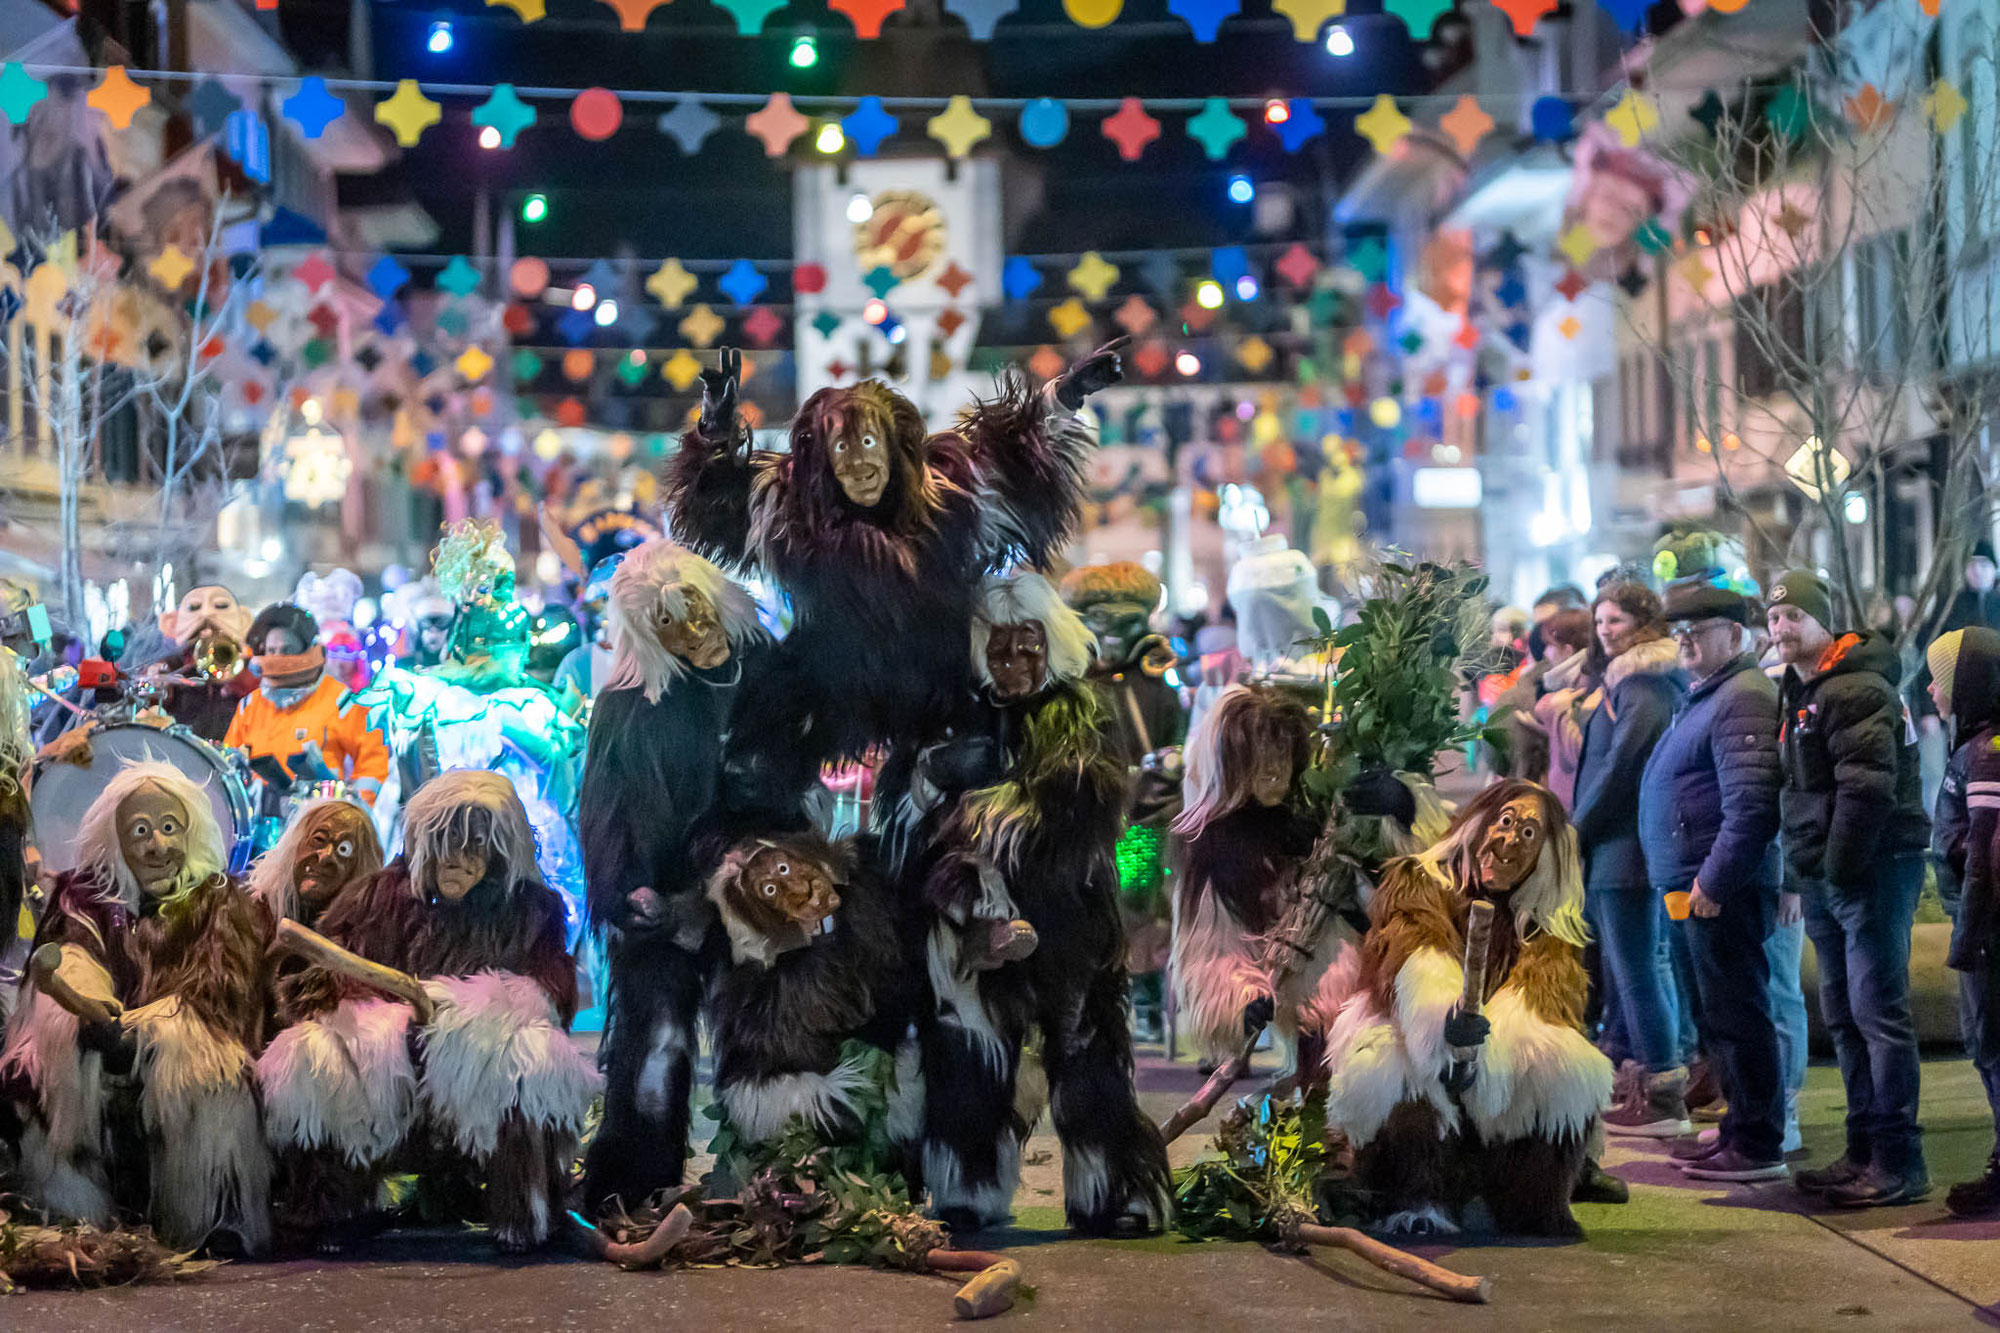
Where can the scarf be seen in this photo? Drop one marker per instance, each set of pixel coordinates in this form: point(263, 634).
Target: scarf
point(290, 671)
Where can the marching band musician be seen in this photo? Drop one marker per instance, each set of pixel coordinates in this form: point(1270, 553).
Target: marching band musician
point(208, 671)
point(297, 703)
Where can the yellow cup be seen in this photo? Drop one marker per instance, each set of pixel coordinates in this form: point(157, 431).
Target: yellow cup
point(1679, 906)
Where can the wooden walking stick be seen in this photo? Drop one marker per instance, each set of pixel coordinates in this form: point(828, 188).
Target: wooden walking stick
point(1458, 1286)
point(45, 969)
point(317, 949)
point(1472, 1000)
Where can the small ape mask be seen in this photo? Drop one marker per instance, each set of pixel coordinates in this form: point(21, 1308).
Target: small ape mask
point(859, 452)
point(337, 846)
point(776, 894)
point(1017, 660)
point(1510, 845)
point(153, 838)
point(1116, 602)
point(696, 636)
point(463, 831)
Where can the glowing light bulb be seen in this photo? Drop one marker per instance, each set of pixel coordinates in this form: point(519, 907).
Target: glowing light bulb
point(1246, 288)
point(1208, 294)
point(1338, 42)
point(859, 208)
point(1241, 189)
point(1188, 364)
point(439, 39)
point(805, 53)
point(1385, 413)
point(489, 137)
point(830, 139)
point(534, 208)
point(875, 311)
point(1277, 111)
point(607, 313)
point(584, 297)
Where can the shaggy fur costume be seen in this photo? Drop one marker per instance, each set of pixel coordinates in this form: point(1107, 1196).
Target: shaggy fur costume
point(1515, 1136)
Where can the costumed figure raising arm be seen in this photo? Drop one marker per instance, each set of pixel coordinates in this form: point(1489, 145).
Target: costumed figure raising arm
point(495, 1074)
point(709, 481)
point(686, 635)
point(144, 1011)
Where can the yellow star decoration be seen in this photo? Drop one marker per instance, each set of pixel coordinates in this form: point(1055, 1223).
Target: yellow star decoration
point(1578, 244)
point(408, 113)
point(46, 288)
point(681, 370)
point(1308, 16)
point(702, 326)
point(1093, 276)
point(1695, 271)
point(529, 10)
point(474, 363)
point(1569, 327)
point(1636, 116)
point(671, 284)
point(958, 127)
point(1944, 104)
point(6, 238)
point(171, 268)
point(345, 406)
point(1791, 219)
point(259, 316)
point(1382, 124)
point(1069, 318)
point(1254, 354)
point(118, 97)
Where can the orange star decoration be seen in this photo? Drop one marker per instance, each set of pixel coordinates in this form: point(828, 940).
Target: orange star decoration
point(1570, 326)
point(702, 326)
point(671, 284)
point(1944, 103)
point(1047, 362)
point(1254, 354)
point(1382, 124)
point(1578, 244)
point(259, 315)
point(1136, 316)
point(681, 370)
point(579, 364)
point(1524, 14)
point(118, 97)
point(632, 14)
point(474, 364)
point(171, 268)
point(777, 123)
point(1869, 110)
point(1930, 8)
point(531, 11)
point(1636, 116)
point(1093, 276)
point(1695, 271)
point(959, 127)
point(1069, 319)
point(1466, 124)
point(1791, 219)
point(1467, 336)
point(1309, 16)
point(408, 113)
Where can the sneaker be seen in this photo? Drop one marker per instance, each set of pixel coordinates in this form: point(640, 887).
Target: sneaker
point(1705, 1143)
point(1659, 1111)
point(1730, 1164)
point(1878, 1187)
point(1837, 1172)
point(1977, 1198)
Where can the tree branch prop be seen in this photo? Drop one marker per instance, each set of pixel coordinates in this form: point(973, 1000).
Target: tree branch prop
point(1458, 1286)
point(320, 951)
point(45, 969)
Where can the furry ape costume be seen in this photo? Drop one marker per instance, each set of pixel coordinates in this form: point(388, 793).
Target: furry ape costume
point(496, 1081)
point(1036, 844)
point(879, 532)
point(1433, 1133)
point(180, 947)
point(656, 736)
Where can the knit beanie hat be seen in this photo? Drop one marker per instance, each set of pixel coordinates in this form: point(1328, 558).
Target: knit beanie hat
point(1808, 592)
point(1942, 657)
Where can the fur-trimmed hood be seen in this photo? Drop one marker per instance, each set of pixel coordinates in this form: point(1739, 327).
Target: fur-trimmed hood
point(1654, 657)
point(1566, 674)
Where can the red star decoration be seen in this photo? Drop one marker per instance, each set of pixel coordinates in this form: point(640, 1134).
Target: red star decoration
point(632, 14)
point(1047, 362)
point(954, 280)
point(1358, 343)
point(1131, 129)
point(1135, 316)
point(1467, 336)
point(1151, 359)
point(569, 412)
point(253, 393)
point(866, 14)
point(762, 326)
point(1297, 265)
point(837, 369)
point(325, 320)
point(1357, 395)
point(1435, 384)
point(1196, 318)
point(1572, 285)
point(1382, 302)
point(517, 320)
point(809, 278)
point(1524, 14)
point(950, 322)
point(212, 348)
point(315, 273)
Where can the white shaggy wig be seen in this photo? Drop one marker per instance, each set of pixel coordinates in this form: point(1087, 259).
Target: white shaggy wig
point(443, 816)
point(651, 586)
point(1017, 599)
point(1241, 725)
point(274, 876)
point(97, 851)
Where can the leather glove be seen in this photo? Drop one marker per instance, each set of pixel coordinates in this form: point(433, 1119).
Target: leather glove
point(1466, 1029)
point(1380, 792)
point(718, 393)
point(1257, 1015)
point(961, 764)
point(1100, 370)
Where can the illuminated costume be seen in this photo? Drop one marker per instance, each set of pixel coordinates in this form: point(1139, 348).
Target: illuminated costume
point(1445, 1106)
point(150, 1105)
point(17, 751)
point(687, 637)
point(492, 1087)
point(297, 703)
point(1035, 844)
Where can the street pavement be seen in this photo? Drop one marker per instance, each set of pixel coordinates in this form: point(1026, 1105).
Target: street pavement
point(1679, 1256)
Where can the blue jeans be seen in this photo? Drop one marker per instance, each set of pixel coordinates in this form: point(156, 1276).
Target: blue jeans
point(1979, 1024)
point(1631, 927)
point(1687, 993)
point(1788, 1002)
point(1862, 937)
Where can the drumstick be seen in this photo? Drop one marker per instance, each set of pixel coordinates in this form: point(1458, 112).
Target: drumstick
point(318, 949)
point(45, 969)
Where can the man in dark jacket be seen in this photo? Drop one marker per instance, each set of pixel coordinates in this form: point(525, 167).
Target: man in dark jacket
point(1854, 835)
point(1708, 820)
point(1965, 686)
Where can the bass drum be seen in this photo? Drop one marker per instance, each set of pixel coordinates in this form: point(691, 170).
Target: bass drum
point(60, 792)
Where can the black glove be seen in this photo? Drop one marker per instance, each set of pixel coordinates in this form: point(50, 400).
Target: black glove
point(962, 764)
point(1379, 791)
point(1466, 1029)
point(1100, 370)
point(1257, 1015)
point(1459, 1077)
point(718, 393)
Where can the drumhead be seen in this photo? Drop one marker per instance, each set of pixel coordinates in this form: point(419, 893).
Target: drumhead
point(61, 792)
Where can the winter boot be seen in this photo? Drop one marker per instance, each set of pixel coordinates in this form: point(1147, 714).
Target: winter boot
point(1977, 1198)
point(1657, 1111)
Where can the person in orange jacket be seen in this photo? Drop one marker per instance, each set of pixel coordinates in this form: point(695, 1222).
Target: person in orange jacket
point(297, 703)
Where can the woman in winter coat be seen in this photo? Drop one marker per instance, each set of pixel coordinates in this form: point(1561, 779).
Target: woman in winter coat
point(1642, 685)
point(1566, 641)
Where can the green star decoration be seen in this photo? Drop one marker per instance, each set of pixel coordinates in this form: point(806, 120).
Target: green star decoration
point(827, 323)
point(1216, 128)
point(1369, 260)
point(631, 371)
point(526, 365)
point(1790, 113)
point(1418, 15)
point(1652, 237)
point(19, 91)
point(880, 280)
point(750, 14)
point(459, 276)
point(505, 112)
point(1411, 342)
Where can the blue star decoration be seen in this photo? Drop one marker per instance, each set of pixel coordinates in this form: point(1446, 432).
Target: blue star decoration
point(743, 283)
point(1629, 13)
point(312, 108)
point(1506, 252)
point(506, 112)
point(1302, 125)
point(1162, 274)
point(210, 107)
point(1550, 118)
point(1204, 16)
point(1228, 263)
point(1511, 292)
point(575, 326)
point(601, 277)
point(19, 91)
point(1019, 279)
point(880, 280)
point(387, 277)
point(459, 277)
point(1044, 122)
point(982, 16)
point(689, 123)
point(248, 142)
point(868, 125)
point(827, 323)
point(390, 317)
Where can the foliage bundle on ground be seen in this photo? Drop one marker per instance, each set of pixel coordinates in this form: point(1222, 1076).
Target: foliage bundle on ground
point(1264, 1168)
point(33, 1255)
